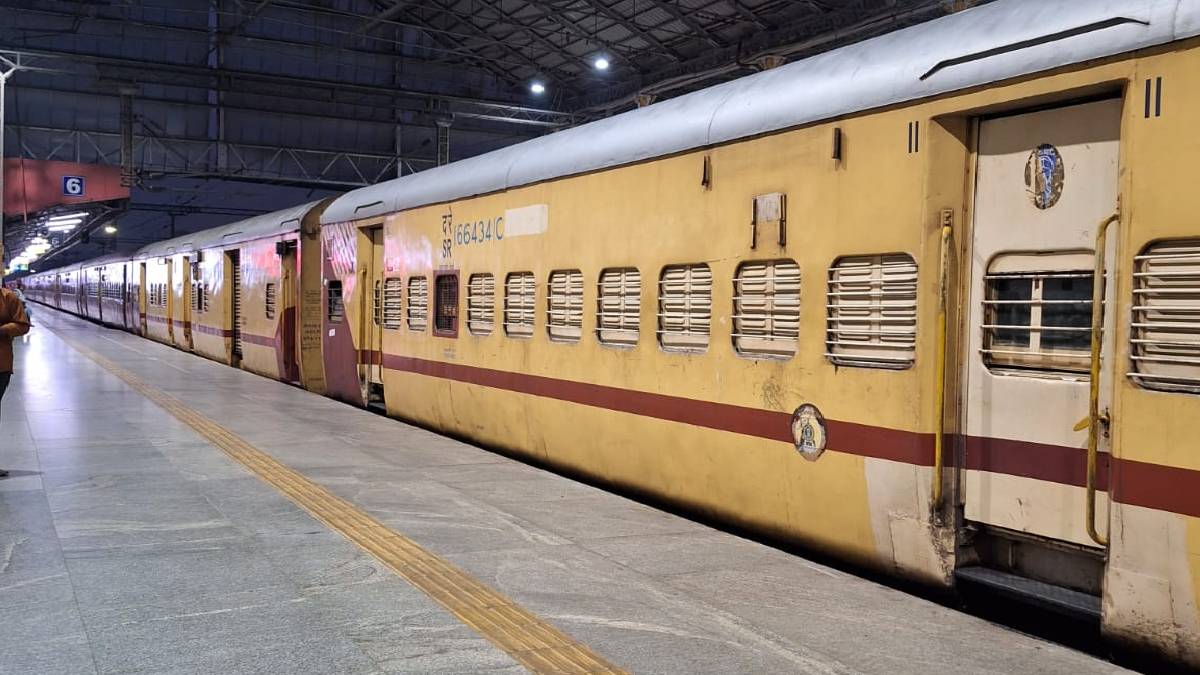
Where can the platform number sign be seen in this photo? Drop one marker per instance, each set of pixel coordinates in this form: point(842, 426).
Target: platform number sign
point(74, 186)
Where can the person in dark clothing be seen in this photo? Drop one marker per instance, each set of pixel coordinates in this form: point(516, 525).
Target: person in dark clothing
point(13, 323)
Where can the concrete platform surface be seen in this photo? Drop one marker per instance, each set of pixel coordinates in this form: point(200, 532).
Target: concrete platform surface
point(128, 543)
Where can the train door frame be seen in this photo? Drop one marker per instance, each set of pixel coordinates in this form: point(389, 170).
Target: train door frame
point(288, 289)
point(142, 300)
point(233, 281)
point(1061, 555)
point(370, 318)
point(185, 297)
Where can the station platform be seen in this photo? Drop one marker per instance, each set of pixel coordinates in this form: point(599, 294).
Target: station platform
point(169, 514)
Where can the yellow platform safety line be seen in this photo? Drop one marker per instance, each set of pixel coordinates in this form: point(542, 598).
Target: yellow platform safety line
point(529, 640)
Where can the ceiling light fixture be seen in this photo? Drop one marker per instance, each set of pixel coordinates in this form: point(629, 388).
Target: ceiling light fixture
point(600, 63)
point(67, 216)
point(110, 229)
point(537, 88)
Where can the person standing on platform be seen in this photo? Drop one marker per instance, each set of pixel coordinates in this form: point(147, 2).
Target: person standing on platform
point(13, 323)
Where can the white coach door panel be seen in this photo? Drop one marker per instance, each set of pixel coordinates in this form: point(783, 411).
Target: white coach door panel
point(1044, 182)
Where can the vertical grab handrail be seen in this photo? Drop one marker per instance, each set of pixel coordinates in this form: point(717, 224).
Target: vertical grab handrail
point(939, 461)
point(1094, 418)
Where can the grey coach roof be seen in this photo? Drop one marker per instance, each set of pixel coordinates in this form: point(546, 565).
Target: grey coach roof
point(258, 227)
point(985, 44)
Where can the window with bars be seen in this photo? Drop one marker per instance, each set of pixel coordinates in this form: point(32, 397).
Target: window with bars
point(418, 303)
point(445, 307)
point(1165, 331)
point(199, 297)
point(619, 306)
point(685, 307)
point(564, 306)
point(1038, 319)
point(871, 319)
point(272, 298)
point(392, 312)
point(519, 298)
point(481, 304)
point(335, 304)
point(377, 303)
point(766, 309)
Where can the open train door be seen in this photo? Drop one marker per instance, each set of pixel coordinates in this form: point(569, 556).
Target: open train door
point(371, 318)
point(141, 297)
point(189, 271)
point(287, 301)
point(233, 281)
point(1046, 183)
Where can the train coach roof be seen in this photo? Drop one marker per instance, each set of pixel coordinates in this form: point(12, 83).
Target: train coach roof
point(258, 227)
point(985, 44)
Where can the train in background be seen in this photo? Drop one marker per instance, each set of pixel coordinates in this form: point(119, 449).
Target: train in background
point(929, 303)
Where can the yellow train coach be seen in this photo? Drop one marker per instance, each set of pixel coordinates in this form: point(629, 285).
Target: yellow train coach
point(929, 303)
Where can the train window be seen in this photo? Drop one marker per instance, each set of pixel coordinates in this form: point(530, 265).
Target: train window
point(1165, 335)
point(377, 303)
point(519, 298)
point(481, 304)
point(619, 306)
point(335, 306)
point(199, 297)
point(871, 319)
point(1037, 312)
point(685, 307)
point(418, 303)
point(766, 309)
point(445, 308)
point(564, 306)
point(393, 290)
point(269, 307)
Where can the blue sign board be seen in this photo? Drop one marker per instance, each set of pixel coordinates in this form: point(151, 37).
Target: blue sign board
point(74, 186)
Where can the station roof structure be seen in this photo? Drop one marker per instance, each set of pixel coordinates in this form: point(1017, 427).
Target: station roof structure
point(220, 110)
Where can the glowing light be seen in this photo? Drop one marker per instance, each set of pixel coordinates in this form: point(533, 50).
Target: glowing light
point(68, 216)
point(601, 63)
point(109, 229)
point(537, 88)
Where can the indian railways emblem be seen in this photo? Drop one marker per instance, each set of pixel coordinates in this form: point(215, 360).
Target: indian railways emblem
point(808, 431)
point(1044, 176)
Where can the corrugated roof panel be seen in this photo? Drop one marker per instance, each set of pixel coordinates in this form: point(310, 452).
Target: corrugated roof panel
point(882, 71)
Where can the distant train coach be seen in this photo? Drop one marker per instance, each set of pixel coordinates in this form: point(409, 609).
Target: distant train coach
point(929, 303)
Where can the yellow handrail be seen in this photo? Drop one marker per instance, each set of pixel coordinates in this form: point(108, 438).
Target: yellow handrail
point(1094, 418)
point(940, 414)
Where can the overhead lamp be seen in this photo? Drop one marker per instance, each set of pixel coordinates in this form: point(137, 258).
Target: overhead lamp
point(537, 88)
point(601, 63)
point(110, 229)
point(61, 228)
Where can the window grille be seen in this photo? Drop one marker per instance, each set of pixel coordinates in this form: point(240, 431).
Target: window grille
point(269, 305)
point(766, 308)
point(564, 306)
point(335, 307)
point(445, 316)
point(519, 298)
point(377, 303)
point(619, 306)
point(872, 311)
point(685, 307)
point(393, 290)
point(481, 304)
point(418, 303)
point(1165, 332)
point(1038, 320)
